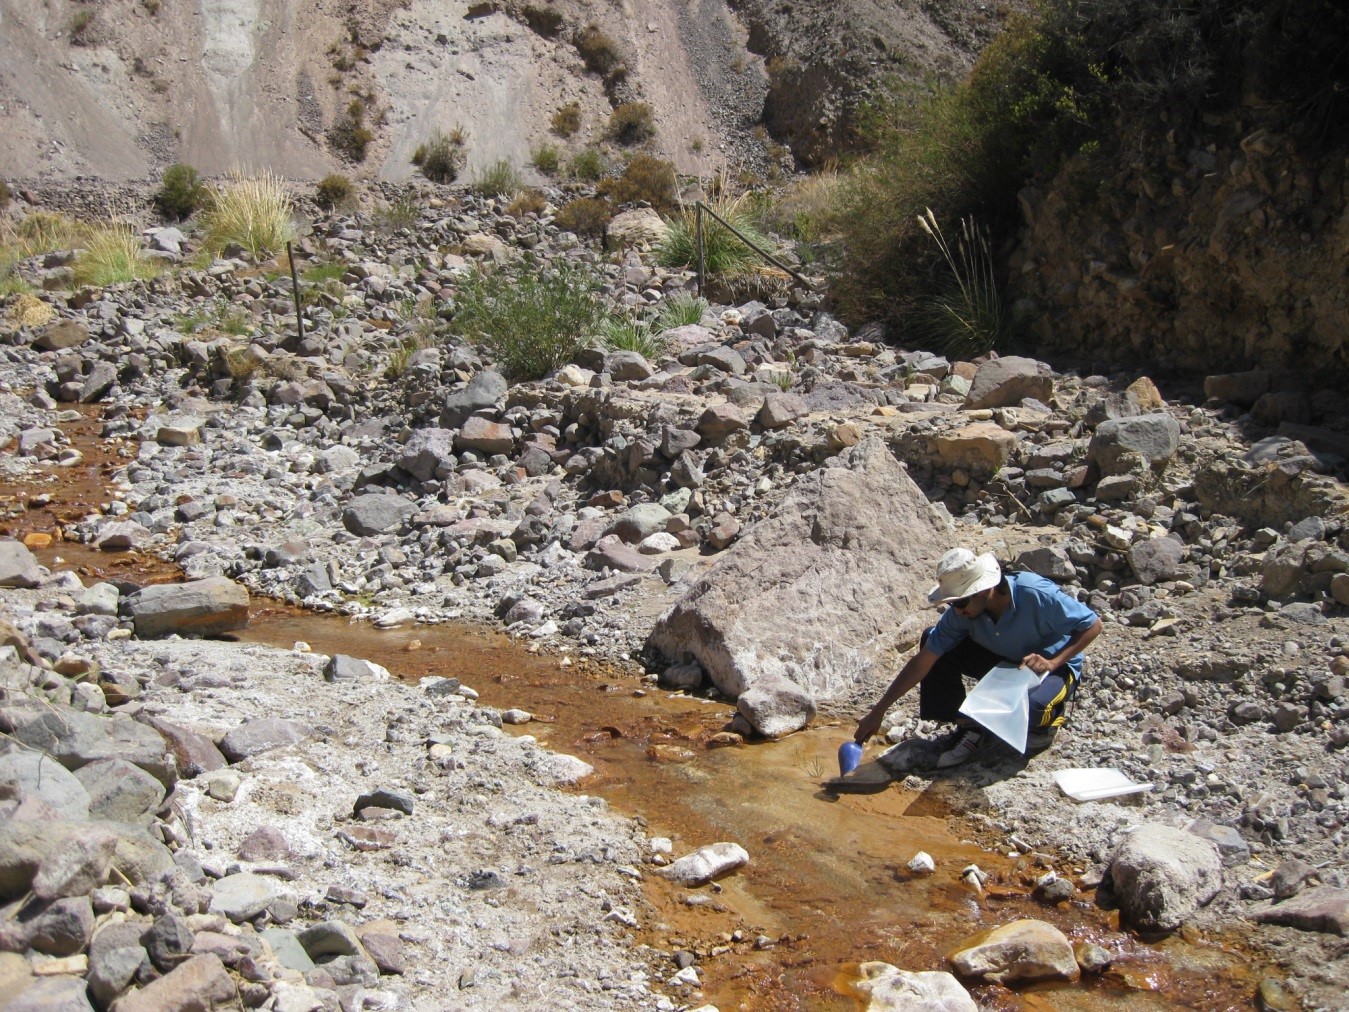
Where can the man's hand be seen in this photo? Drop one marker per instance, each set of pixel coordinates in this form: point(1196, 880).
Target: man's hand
point(1040, 665)
point(868, 726)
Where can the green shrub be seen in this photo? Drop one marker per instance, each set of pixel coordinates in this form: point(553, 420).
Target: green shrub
point(598, 50)
point(249, 211)
point(441, 158)
point(112, 255)
point(587, 216)
point(349, 136)
point(724, 254)
point(567, 119)
point(547, 159)
point(500, 179)
point(632, 335)
point(180, 192)
point(632, 123)
point(644, 178)
point(587, 165)
point(527, 201)
point(334, 190)
point(679, 311)
point(318, 273)
point(533, 319)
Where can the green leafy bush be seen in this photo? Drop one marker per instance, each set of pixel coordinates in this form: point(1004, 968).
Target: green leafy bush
point(349, 136)
point(500, 179)
point(547, 159)
point(587, 165)
point(724, 254)
point(80, 27)
point(644, 178)
point(401, 213)
point(441, 158)
point(334, 190)
point(112, 255)
point(533, 319)
point(180, 192)
point(632, 123)
point(567, 119)
point(249, 211)
point(587, 216)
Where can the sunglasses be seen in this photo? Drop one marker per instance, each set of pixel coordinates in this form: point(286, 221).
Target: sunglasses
point(963, 602)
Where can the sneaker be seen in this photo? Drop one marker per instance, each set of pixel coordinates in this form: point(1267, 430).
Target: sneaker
point(965, 742)
point(1038, 741)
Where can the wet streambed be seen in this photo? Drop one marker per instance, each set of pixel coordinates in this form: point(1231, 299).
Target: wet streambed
point(827, 885)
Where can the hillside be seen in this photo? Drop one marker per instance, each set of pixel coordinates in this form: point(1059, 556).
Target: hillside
point(122, 88)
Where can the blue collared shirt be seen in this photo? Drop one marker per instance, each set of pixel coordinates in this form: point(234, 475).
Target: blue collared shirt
point(1040, 619)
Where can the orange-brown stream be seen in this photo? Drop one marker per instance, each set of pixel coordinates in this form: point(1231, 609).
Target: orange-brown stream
point(826, 883)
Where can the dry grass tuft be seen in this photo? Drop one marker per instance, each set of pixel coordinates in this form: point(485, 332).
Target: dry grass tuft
point(249, 211)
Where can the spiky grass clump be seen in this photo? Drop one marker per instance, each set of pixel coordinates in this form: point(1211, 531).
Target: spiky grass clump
point(964, 317)
point(588, 165)
point(547, 159)
point(500, 179)
point(724, 254)
point(40, 232)
point(679, 311)
point(441, 158)
point(632, 335)
point(248, 211)
point(113, 255)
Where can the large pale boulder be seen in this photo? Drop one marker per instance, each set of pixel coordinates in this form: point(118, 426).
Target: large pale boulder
point(1024, 951)
point(706, 863)
point(890, 989)
point(820, 591)
point(1162, 875)
point(202, 607)
point(639, 227)
point(980, 447)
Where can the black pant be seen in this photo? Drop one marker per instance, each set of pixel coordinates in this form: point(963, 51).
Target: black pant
point(943, 690)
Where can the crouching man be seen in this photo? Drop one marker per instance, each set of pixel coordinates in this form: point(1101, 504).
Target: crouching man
point(994, 617)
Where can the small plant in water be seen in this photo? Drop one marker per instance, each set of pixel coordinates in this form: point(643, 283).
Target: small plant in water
point(964, 317)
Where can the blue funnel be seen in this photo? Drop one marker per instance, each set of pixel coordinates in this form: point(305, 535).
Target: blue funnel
point(849, 755)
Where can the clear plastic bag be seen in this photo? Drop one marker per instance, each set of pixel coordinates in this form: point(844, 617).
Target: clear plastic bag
point(1001, 702)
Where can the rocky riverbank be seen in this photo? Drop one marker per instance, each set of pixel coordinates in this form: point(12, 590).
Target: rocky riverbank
point(624, 509)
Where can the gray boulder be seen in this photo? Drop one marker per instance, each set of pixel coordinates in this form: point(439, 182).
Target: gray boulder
point(52, 994)
point(18, 566)
point(75, 739)
point(1153, 437)
point(776, 706)
point(1156, 559)
point(1052, 562)
point(428, 454)
point(796, 595)
point(1006, 382)
point(1162, 875)
point(119, 791)
point(706, 863)
point(202, 608)
point(483, 391)
point(636, 523)
point(780, 410)
point(261, 735)
point(376, 513)
point(25, 775)
point(628, 366)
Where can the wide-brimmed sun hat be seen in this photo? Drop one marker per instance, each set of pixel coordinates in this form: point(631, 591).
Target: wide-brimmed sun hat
point(962, 573)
